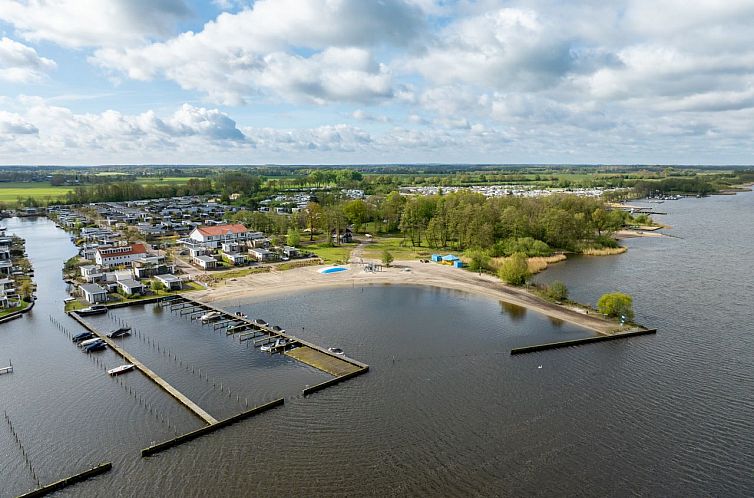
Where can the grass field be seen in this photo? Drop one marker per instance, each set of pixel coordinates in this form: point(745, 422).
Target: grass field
point(378, 245)
point(44, 192)
point(329, 254)
point(9, 192)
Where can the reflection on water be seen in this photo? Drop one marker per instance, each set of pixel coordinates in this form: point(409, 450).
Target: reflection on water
point(514, 311)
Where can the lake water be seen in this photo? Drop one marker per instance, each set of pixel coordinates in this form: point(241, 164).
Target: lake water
point(444, 410)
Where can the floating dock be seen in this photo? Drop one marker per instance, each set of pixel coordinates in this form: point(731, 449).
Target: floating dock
point(578, 342)
point(175, 393)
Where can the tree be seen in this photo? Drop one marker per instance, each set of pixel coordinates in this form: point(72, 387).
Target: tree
point(557, 291)
point(294, 237)
point(616, 304)
point(157, 285)
point(26, 289)
point(313, 216)
point(515, 269)
point(387, 257)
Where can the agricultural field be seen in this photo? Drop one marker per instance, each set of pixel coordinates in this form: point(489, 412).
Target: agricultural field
point(42, 191)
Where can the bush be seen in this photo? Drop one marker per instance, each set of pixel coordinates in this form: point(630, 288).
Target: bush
point(514, 270)
point(387, 257)
point(616, 304)
point(557, 291)
point(478, 259)
point(605, 241)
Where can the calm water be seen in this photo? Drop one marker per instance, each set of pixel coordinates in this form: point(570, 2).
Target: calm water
point(444, 409)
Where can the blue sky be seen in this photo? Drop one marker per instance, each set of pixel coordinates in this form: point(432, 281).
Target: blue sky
point(389, 81)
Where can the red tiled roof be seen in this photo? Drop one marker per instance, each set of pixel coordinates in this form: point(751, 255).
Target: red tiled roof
point(133, 249)
point(222, 229)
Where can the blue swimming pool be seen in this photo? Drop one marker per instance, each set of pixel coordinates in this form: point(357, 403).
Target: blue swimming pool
point(333, 269)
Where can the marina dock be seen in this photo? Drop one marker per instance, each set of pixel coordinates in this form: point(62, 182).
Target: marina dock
point(175, 393)
point(578, 342)
point(262, 333)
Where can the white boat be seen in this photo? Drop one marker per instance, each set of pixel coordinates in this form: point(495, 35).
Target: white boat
point(266, 348)
point(210, 316)
point(121, 369)
point(241, 315)
point(87, 342)
point(335, 350)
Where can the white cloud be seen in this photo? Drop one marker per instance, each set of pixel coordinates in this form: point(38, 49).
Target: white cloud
point(82, 23)
point(13, 124)
point(22, 64)
point(301, 50)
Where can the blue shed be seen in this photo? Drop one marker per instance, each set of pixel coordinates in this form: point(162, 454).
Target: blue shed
point(436, 258)
point(450, 258)
point(458, 263)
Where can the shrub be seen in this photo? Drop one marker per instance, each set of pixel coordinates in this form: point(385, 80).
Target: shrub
point(514, 270)
point(616, 304)
point(387, 257)
point(478, 259)
point(557, 291)
point(526, 245)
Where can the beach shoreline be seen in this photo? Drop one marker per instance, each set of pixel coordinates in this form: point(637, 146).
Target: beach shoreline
point(410, 273)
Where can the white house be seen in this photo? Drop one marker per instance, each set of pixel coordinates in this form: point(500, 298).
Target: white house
point(93, 293)
point(171, 282)
point(205, 262)
point(119, 255)
point(215, 235)
point(262, 254)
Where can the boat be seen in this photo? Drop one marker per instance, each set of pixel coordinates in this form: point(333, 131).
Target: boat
point(212, 315)
point(241, 314)
point(89, 342)
point(335, 350)
point(259, 322)
point(97, 309)
point(278, 329)
point(266, 348)
point(97, 346)
point(121, 332)
point(121, 369)
point(82, 336)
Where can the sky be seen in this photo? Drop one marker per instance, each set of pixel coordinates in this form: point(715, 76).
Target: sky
point(376, 81)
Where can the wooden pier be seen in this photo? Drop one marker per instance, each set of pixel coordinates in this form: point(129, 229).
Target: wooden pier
point(578, 342)
point(175, 393)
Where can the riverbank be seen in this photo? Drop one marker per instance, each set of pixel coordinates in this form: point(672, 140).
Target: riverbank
point(401, 273)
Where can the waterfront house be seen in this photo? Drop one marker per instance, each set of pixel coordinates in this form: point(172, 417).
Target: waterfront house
point(130, 287)
point(170, 281)
point(92, 273)
point(93, 293)
point(234, 258)
point(119, 255)
point(205, 262)
point(213, 236)
point(262, 254)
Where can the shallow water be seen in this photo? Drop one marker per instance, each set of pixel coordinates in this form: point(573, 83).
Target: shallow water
point(444, 409)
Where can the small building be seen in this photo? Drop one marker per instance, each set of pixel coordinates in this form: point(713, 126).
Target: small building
point(92, 273)
point(290, 252)
point(346, 236)
point(93, 293)
point(205, 262)
point(261, 254)
point(130, 287)
point(171, 282)
point(450, 260)
point(235, 258)
point(436, 258)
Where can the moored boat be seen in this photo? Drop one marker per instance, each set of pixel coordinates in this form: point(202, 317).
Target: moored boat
point(121, 332)
point(121, 369)
point(97, 346)
point(96, 309)
point(82, 336)
point(89, 342)
point(212, 315)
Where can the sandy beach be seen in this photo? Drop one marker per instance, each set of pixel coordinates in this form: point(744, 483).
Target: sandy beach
point(400, 273)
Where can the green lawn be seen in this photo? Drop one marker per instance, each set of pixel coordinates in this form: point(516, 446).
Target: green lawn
point(375, 249)
point(10, 191)
point(329, 254)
